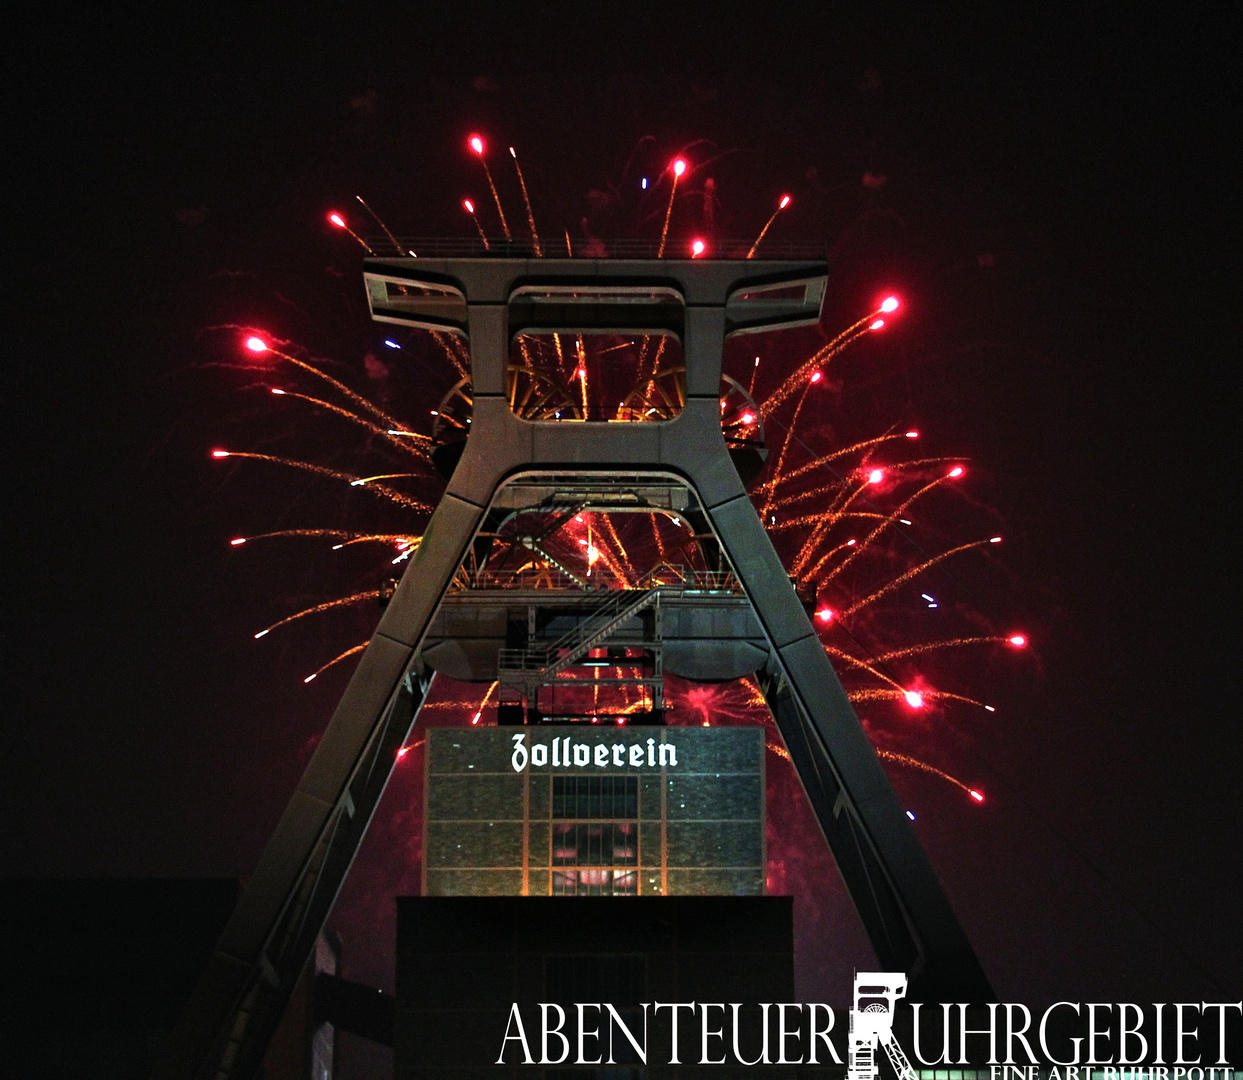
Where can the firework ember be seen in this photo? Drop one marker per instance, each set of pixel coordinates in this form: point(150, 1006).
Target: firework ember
point(836, 512)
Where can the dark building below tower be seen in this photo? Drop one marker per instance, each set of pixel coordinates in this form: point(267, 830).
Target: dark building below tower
point(462, 962)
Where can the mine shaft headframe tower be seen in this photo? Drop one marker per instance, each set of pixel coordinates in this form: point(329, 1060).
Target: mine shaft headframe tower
point(486, 301)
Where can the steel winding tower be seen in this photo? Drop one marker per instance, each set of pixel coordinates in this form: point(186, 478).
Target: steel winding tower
point(740, 617)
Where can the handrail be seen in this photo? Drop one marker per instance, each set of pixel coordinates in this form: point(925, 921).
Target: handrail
point(457, 247)
point(550, 659)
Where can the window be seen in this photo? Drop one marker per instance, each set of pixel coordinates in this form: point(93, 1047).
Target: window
point(611, 843)
point(595, 797)
point(600, 847)
point(595, 882)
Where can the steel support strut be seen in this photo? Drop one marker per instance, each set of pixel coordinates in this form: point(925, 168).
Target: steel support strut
point(903, 907)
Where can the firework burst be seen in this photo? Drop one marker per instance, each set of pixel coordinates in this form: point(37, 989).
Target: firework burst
point(853, 522)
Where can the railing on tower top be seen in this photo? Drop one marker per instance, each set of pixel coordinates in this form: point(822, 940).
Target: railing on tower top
point(467, 247)
point(676, 577)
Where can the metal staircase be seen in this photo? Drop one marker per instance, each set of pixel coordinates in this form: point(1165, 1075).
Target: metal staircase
point(534, 667)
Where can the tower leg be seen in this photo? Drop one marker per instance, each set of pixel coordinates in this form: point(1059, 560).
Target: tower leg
point(242, 995)
point(899, 899)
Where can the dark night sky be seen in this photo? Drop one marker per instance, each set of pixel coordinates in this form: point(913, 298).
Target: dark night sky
point(173, 176)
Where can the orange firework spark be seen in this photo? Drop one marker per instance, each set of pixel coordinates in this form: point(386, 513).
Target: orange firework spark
point(677, 169)
point(407, 441)
point(818, 360)
point(352, 651)
point(627, 552)
point(893, 518)
point(527, 200)
point(937, 646)
point(451, 345)
point(869, 666)
point(836, 455)
point(785, 201)
point(260, 346)
point(319, 470)
point(383, 228)
point(327, 605)
point(477, 145)
point(907, 575)
point(469, 207)
point(923, 766)
point(339, 222)
point(781, 456)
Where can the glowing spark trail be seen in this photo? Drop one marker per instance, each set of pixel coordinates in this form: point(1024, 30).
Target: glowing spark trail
point(469, 207)
point(609, 551)
point(335, 660)
point(781, 456)
point(677, 168)
point(383, 228)
point(382, 476)
point(923, 766)
point(912, 572)
point(319, 470)
point(340, 222)
point(890, 520)
point(863, 665)
point(260, 346)
point(346, 414)
point(476, 144)
point(818, 360)
point(327, 605)
point(785, 201)
point(527, 200)
point(836, 455)
point(937, 646)
point(331, 534)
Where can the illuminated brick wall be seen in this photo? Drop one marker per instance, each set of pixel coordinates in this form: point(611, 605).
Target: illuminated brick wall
point(592, 811)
